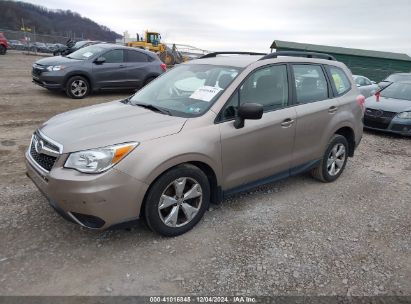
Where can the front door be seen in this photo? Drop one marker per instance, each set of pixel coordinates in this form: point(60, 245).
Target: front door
point(113, 72)
point(262, 148)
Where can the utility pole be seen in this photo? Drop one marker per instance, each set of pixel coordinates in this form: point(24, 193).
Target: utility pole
point(25, 37)
point(35, 44)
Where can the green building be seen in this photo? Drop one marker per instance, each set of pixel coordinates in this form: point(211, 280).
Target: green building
point(372, 64)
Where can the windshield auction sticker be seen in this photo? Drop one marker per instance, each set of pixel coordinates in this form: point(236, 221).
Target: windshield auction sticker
point(205, 93)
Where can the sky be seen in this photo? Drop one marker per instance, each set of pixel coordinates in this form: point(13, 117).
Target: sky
point(253, 25)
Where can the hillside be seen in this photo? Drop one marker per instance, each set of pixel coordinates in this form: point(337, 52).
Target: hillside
point(52, 22)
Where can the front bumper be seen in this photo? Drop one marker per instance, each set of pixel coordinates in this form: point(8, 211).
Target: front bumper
point(48, 80)
point(95, 201)
point(396, 125)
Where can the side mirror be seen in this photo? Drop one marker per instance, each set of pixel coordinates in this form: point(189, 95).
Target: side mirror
point(100, 60)
point(358, 85)
point(373, 82)
point(248, 111)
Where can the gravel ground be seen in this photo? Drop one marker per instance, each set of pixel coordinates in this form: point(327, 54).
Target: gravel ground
point(294, 237)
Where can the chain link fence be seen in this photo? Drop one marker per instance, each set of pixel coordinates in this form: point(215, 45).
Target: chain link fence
point(32, 42)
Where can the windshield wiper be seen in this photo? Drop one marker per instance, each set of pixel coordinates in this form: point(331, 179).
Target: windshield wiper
point(153, 108)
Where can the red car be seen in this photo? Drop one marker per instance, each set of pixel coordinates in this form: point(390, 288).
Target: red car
point(4, 45)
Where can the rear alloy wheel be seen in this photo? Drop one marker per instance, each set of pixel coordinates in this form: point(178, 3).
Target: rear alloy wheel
point(334, 160)
point(77, 87)
point(177, 200)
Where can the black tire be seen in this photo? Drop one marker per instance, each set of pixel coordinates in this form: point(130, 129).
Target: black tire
point(322, 172)
point(82, 89)
point(3, 50)
point(152, 202)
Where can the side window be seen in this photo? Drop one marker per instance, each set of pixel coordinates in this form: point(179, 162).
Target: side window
point(266, 86)
point(310, 83)
point(114, 56)
point(367, 81)
point(360, 81)
point(340, 79)
point(136, 56)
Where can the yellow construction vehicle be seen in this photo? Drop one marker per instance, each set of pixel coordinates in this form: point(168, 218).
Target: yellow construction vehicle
point(152, 42)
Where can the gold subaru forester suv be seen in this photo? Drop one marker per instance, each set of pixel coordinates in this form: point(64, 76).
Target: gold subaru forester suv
point(204, 130)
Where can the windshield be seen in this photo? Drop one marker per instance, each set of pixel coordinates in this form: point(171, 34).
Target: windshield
point(398, 91)
point(188, 90)
point(86, 53)
point(396, 78)
point(79, 44)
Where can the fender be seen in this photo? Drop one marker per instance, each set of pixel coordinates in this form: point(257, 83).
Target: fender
point(181, 159)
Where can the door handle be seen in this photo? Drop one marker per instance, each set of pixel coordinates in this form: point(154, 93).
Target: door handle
point(332, 109)
point(121, 66)
point(287, 123)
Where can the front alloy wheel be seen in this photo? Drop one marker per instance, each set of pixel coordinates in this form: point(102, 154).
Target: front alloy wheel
point(177, 200)
point(180, 202)
point(77, 87)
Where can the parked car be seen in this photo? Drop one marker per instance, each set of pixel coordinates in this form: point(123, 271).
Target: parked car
point(366, 86)
point(16, 45)
point(204, 130)
point(38, 47)
point(4, 45)
point(397, 77)
point(390, 109)
point(52, 47)
point(97, 67)
point(73, 46)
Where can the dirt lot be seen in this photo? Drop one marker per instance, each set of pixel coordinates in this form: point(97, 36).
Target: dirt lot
point(297, 236)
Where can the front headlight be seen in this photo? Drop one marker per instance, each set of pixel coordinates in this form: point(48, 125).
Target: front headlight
point(55, 68)
point(98, 160)
point(404, 115)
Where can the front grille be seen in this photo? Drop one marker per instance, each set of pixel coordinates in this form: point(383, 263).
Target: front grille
point(378, 119)
point(37, 69)
point(379, 113)
point(43, 160)
point(375, 124)
point(36, 72)
point(43, 152)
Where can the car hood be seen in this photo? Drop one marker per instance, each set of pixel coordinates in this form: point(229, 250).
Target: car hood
point(108, 124)
point(388, 104)
point(56, 60)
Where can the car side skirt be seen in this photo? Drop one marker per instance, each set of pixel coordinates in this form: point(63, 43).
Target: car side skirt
point(270, 179)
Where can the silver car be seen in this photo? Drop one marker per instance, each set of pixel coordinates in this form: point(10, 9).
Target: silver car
point(366, 86)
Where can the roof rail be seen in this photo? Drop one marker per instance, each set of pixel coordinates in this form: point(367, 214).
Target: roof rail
point(214, 54)
point(298, 54)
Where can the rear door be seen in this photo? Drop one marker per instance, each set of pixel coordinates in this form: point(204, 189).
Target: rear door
point(315, 107)
point(262, 148)
point(113, 72)
point(138, 65)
